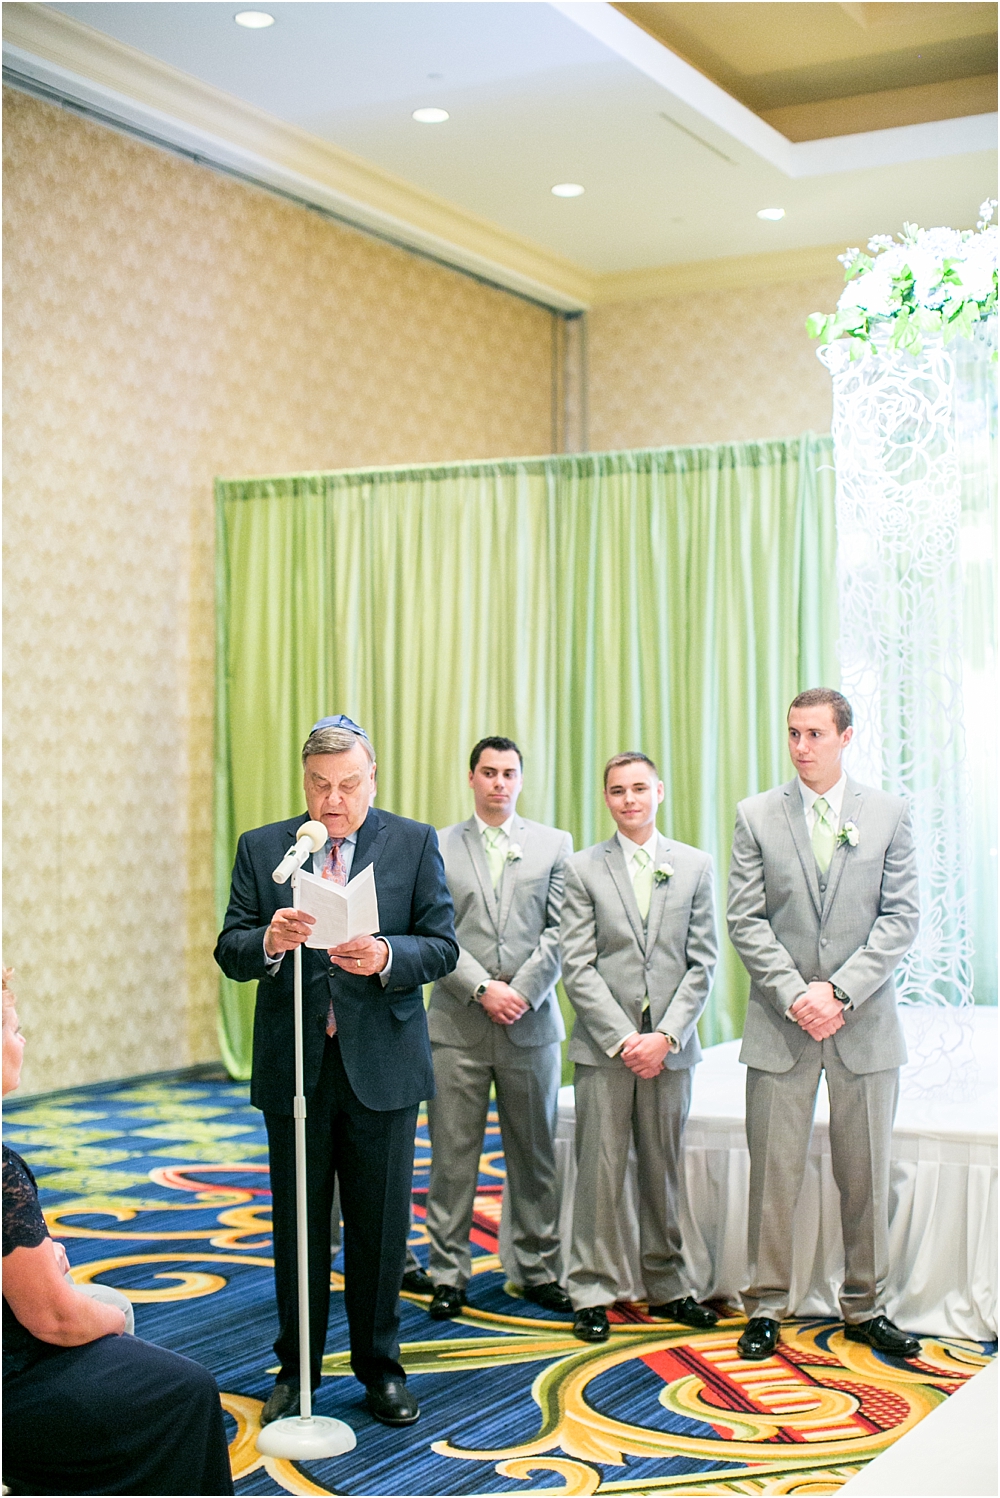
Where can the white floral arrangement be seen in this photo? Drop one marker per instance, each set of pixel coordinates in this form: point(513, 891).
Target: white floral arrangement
point(514, 853)
point(932, 283)
point(663, 872)
point(849, 834)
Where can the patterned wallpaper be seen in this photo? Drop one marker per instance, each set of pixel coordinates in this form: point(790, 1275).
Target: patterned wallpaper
point(165, 324)
point(710, 366)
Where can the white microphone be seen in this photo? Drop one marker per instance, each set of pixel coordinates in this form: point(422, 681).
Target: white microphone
point(309, 838)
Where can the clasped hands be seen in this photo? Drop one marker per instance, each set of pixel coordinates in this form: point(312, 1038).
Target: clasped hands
point(645, 1054)
point(818, 1011)
point(502, 1003)
point(364, 956)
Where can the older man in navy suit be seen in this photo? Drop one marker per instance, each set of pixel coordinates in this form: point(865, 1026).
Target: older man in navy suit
point(367, 1059)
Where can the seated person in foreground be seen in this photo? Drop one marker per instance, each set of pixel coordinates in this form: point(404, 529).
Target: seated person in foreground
point(87, 1409)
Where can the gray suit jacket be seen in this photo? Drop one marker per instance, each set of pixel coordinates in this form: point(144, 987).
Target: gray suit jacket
point(510, 933)
point(789, 931)
point(610, 963)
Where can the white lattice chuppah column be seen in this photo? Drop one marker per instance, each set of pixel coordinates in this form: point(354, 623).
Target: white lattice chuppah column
point(899, 505)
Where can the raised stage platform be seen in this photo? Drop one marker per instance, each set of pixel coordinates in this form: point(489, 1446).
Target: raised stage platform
point(943, 1227)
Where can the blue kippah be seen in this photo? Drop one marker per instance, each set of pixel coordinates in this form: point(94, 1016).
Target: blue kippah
point(340, 720)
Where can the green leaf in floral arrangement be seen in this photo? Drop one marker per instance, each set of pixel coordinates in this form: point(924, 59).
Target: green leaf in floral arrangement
point(816, 324)
point(909, 339)
point(858, 347)
point(968, 315)
point(927, 320)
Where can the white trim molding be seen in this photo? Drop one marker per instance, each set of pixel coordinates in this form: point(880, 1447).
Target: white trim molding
point(724, 274)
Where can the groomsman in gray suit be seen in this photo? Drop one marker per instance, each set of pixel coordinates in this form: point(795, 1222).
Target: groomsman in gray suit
point(496, 1020)
point(822, 907)
point(639, 949)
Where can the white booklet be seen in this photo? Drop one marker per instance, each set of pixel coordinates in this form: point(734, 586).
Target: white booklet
point(342, 911)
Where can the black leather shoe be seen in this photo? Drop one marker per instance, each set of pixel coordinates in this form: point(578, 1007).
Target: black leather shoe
point(417, 1282)
point(591, 1324)
point(282, 1403)
point(759, 1340)
point(448, 1301)
point(884, 1337)
point(550, 1297)
point(391, 1402)
point(687, 1311)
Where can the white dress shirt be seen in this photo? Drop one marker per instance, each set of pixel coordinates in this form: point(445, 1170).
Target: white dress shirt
point(834, 799)
point(630, 849)
point(503, 829)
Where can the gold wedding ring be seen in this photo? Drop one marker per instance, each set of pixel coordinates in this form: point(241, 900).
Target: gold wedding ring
point(359, 962)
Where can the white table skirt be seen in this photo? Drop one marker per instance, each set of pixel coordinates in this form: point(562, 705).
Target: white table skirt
point(943, 1208)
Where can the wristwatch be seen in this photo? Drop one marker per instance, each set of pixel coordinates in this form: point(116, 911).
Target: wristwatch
point(477, 993)
point(845, 998)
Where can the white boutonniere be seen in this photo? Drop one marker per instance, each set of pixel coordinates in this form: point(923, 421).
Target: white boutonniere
point(849, 834)
point(663, 872)
point(514, 853)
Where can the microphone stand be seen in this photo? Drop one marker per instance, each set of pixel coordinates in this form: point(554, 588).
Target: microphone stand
point(305, 1437)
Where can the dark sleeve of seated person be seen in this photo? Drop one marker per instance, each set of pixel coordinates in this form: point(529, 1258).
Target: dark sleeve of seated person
point(87, 1410)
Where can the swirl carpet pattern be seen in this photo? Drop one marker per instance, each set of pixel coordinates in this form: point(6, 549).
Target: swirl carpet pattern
point(161, 1189)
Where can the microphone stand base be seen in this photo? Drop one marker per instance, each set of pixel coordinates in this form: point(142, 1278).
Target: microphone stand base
point(304, 1440)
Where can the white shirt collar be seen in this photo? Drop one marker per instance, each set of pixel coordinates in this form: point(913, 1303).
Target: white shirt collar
point(630, 849)
point(834, 797)
point(504, 826)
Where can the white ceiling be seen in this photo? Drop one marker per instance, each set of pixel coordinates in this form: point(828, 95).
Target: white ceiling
point(535, 98)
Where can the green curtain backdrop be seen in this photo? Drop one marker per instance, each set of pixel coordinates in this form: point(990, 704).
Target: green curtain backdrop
point(671, 600)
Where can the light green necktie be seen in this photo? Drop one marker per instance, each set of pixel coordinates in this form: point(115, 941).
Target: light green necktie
point(642, 881)
point(495, 856)
point(824, 838)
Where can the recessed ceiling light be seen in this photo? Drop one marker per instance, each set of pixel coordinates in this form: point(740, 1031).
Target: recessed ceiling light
point(567, 190)
point(771, 213)
point(430, 116)
point(253, 20)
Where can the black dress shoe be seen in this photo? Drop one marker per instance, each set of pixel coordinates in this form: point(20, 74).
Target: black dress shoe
point(591, 1324)
point(884, 1337)
point(282, 1403)
point(687, 1311)
point(448, 1301)
point(550, 1297)
point(759, 1340)
point(391, 1402)
point(417, 1282)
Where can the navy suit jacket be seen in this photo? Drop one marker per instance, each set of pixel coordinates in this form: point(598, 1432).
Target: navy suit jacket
point(382, 1031)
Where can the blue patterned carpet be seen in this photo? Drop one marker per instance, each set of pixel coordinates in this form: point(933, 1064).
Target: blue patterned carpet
point(162, 1190)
